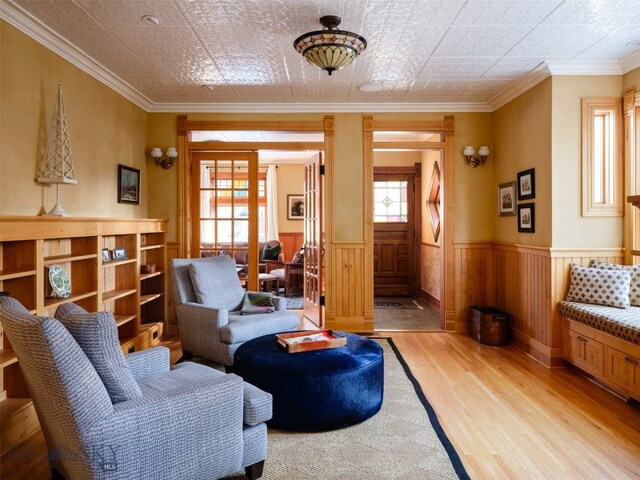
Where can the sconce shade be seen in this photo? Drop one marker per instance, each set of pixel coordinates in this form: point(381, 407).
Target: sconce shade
point(468, 150)
point(330, 49)
point(165, 163)
point(483, 151)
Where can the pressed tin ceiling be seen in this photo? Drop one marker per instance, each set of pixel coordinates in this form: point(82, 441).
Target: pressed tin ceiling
point(428, 54)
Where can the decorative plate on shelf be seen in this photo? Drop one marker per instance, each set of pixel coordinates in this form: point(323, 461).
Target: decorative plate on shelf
point(59, 281)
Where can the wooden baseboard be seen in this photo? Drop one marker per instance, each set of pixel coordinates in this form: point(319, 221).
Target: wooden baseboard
point(547, 356)
point(429, 299)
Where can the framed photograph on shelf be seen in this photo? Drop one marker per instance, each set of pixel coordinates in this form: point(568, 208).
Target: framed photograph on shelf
point(106, 255)
point(507, 199)
point(295, 207)
point(526, 218)
point(527, 184)
point(119, 254)
point(128, 185)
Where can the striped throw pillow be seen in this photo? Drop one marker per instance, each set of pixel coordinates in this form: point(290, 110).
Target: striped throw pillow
point(257, 302)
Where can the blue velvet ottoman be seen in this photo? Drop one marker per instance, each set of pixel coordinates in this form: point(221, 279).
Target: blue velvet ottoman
point(317, 390)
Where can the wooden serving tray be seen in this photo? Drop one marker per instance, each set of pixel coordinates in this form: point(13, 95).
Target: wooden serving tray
point(313, 340)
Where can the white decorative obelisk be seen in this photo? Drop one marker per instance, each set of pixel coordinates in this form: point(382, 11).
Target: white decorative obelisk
point(57, 166)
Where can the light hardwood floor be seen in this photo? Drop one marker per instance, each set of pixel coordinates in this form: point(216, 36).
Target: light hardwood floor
point(507, 416)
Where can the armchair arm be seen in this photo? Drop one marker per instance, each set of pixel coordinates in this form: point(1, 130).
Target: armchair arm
point(195, 315)
point(272, 265)
point(154, 436)
point(146, 363)
point(279, 303)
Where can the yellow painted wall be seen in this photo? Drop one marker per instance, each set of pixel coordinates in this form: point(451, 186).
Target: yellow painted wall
point(105, 130)
point(523, 140)
point(631, 80)
point(290, 181)
point(570, 229)
point(474, 190)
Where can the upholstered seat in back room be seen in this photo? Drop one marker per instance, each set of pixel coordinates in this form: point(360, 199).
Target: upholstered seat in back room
point(105, 415)
point(240, 253)
point(209, 299)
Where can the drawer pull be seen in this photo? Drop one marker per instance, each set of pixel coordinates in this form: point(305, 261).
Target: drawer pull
point(632, 361)
point(582, 339)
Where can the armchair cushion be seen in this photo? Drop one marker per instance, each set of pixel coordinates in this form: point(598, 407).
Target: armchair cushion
point(257, 302)
point(216, 283)
point(242, 328)
point(97, 335)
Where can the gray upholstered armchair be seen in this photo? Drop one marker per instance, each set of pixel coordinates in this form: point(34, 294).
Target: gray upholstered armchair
point(105, 415)
point(208, 297)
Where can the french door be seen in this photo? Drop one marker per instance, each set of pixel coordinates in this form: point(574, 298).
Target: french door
point(224, 209)
point(313, 241)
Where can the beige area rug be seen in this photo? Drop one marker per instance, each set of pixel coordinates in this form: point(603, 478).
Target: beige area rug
point(404, 440)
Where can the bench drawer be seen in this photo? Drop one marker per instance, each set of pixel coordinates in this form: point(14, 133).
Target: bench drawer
point(623, 370)
point(584, 352)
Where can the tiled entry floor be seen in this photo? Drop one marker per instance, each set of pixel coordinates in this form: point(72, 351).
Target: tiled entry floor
point(407, 319)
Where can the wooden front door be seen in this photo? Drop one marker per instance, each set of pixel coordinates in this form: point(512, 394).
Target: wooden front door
point(313, 242)
point(394, 234)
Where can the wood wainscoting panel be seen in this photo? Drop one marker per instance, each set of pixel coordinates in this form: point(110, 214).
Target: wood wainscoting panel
point(291, 243)
point(350, 298)
point(173, 251)
point(529, 283)
point(430, 269)
point(474, 280)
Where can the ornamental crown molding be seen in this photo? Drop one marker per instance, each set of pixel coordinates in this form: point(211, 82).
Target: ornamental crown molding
point(20, 19)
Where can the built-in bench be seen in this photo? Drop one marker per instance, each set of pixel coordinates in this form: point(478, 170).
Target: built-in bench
point(604, 342)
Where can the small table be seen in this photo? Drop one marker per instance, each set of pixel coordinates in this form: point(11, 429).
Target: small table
point(317, 390)
point(266, 281)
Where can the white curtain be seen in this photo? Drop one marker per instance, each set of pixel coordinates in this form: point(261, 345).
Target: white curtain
point(272, 204)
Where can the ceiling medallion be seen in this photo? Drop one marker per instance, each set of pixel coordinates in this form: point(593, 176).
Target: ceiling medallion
point(330, 49)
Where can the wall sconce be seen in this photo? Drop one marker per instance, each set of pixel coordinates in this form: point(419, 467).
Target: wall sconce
point(473, 161)
point(165, 163)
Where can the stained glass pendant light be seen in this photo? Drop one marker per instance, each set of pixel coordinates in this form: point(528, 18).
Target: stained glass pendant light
point(57, 166)
point(330, 49)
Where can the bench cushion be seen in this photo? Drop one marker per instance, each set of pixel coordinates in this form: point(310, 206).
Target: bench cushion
point(624, 324)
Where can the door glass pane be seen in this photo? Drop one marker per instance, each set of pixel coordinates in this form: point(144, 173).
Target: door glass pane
point(390, 202)
point(241, 231)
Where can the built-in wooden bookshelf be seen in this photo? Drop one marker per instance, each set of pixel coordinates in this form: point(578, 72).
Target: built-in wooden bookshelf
point(29, 246)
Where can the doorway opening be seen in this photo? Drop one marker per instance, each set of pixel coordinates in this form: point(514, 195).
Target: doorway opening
point(406, 206)
point(244, 199)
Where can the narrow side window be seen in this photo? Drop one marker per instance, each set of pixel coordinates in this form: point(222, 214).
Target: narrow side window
point(602, 168)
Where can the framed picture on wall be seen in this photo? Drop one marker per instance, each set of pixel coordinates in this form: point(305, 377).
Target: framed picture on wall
point(128, 185)
point(295, 207)
point(507, 199)
point(526, 217)
point(527, 184)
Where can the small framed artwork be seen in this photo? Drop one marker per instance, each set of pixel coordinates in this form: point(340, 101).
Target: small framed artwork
point(507, 199)
point(527, 184)
point(128, 185)
point(106, 255)
point(526, 217)
point(119, 254)
point(295, 207)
